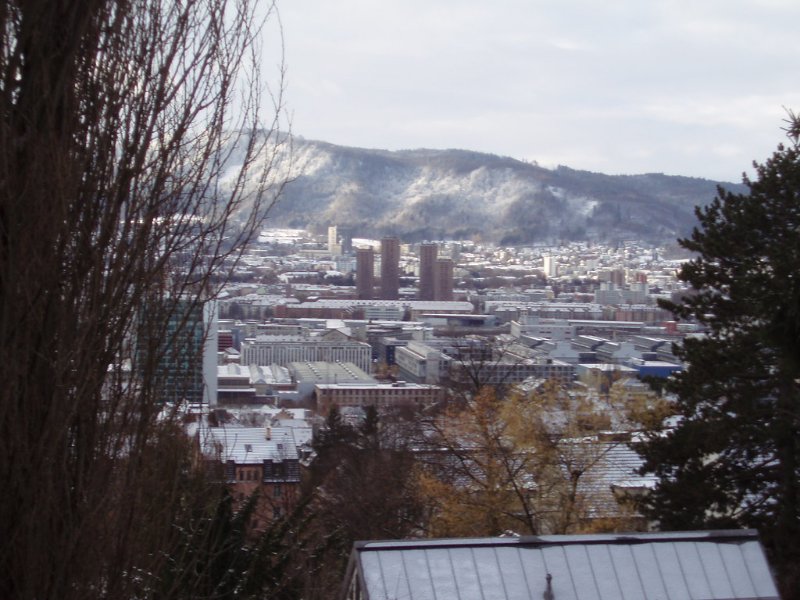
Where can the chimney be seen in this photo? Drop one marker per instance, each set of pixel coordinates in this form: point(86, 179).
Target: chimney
point(268, 432)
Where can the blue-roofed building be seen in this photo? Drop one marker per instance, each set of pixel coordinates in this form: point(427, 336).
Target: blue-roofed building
point(698, 564)
point(656, 368)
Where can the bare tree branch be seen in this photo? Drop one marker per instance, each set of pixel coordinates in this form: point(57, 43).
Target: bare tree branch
point(134, 167)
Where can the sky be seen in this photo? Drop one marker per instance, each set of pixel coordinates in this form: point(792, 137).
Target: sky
point(697, 88)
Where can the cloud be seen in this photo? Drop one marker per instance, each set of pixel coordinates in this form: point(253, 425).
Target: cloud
point(621, 86)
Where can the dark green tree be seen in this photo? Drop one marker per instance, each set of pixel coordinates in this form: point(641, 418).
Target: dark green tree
point(216, 554)
point(733, 459)
point(360, 486)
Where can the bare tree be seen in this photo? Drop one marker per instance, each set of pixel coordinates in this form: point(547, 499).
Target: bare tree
point(134, 166)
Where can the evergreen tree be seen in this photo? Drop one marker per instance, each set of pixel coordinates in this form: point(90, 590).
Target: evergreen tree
point(360, 486)
point(733, 459)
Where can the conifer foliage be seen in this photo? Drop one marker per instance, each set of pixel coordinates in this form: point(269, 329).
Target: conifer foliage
point(733, 460)
point(359, 487)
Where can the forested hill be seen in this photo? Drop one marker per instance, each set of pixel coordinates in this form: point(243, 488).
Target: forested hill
point(439, 194)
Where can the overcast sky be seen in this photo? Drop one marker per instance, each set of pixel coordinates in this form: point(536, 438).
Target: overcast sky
point(628, 86)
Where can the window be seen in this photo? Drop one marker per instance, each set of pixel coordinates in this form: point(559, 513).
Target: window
point(277, 491)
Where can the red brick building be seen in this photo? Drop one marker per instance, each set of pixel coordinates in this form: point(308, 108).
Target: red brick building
point(257, 459)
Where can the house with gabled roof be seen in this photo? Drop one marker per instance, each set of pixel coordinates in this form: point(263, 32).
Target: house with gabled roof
point(262, 461)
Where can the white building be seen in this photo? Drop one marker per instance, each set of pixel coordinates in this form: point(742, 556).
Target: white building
point(285, 349)
point(550, 266)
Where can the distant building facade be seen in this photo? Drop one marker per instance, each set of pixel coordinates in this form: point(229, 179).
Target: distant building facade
point(550, 266)
point(182, 362)
point(443, 280)
point(262, 460)
point(248, 384)
point(285, 349)
point(365, 273)
point(334, 247)
point(390, 268)
point(308, 374)
point(337, 308)
point(428, 254)
point(380, 395)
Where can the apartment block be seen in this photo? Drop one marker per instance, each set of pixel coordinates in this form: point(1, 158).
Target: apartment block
point(380, 395)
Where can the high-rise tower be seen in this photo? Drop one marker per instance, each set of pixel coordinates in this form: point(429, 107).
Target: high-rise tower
point(333, 241)
point(390, 268)
point(443, 280)
point(176, 350)
point(427, 270)
point(365, 273)
point(550, 266)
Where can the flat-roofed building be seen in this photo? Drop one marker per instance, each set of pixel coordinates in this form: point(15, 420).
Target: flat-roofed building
point(285, 349)
point(233, 385)
point(459, 321)
point(351, 308)
point(380, 395)
point(420, 362)
point(270, 379)
point(247, 384)
point(439, 307)
point(385, 312)
point(510, 370)
point(308, 374)
point(538, 327)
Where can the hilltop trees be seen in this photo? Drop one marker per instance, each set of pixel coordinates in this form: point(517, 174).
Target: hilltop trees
point(128, 148)
point(734, 458)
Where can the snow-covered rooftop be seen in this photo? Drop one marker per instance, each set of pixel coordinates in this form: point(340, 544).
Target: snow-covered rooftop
point(249, 445)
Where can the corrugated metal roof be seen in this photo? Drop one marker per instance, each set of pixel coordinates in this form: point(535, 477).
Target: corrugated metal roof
point(703, 565)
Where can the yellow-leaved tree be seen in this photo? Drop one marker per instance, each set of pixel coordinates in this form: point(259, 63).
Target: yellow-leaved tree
point(537, 463)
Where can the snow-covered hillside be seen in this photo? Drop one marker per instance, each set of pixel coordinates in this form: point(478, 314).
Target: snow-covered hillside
point(434, 194)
